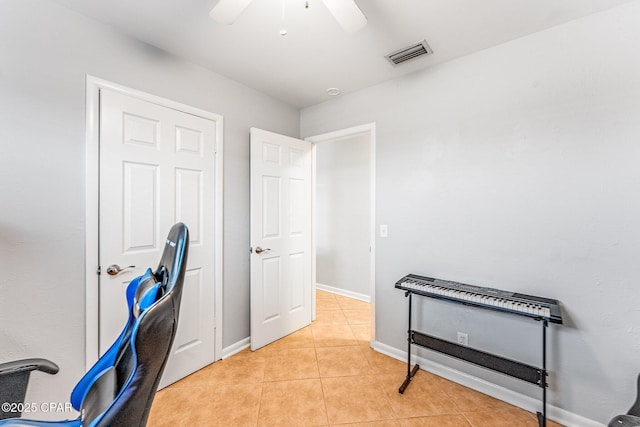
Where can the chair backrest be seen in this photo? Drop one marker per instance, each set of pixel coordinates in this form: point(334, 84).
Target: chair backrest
point(174, 261)
point(123, 386)
point(635, 409)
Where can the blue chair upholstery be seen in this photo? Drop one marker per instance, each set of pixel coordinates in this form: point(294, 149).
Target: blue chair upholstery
point(119, 389)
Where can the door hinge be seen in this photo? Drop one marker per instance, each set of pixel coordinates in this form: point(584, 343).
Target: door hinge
point(99, 271)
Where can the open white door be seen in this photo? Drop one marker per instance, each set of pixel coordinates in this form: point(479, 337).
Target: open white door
point(157, 167)
point(280, 236)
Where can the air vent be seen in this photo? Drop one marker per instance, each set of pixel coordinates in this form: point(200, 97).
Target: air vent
point(409, 52)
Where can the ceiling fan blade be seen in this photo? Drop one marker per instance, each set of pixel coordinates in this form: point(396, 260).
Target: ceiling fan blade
point(347, 13)
point(227, 11)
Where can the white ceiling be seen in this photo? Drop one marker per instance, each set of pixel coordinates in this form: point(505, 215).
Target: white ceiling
point(317, 54)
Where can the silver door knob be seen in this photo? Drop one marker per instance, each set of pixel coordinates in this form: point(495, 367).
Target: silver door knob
point(259, 250)
point(114, 269)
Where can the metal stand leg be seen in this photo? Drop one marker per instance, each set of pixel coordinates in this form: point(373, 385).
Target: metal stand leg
point(410, 372)
point(542, 417)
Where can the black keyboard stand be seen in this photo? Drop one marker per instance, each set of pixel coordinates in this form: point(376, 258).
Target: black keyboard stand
point(486, 360)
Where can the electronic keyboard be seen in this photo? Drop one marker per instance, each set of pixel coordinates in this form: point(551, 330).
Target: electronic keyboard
point(493, 299)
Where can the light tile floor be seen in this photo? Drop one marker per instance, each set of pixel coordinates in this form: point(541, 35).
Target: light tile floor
point(326, 375)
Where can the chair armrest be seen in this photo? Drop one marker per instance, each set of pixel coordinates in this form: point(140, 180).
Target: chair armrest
point(28, 365)
point(14, 378)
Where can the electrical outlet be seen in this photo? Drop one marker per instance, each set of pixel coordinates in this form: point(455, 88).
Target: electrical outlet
point(463, 339)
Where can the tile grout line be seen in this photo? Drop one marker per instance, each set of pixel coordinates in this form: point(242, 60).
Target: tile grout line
point(324, 399)
point(260, 403)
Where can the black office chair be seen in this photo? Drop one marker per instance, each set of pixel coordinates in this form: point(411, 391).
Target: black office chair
point(632, 417)
point(119, 389)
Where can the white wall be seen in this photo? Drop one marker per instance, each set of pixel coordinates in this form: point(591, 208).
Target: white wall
point(517, 168)
point(343, 211)
point(46, 53)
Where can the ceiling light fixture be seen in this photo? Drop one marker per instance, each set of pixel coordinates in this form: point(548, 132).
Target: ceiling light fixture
point(333, 91)
point(346, 12)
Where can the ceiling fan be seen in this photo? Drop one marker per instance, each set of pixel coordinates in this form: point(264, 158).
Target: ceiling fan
point(346, 12)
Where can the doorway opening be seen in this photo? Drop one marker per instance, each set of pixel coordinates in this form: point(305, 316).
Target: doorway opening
point(343, 242)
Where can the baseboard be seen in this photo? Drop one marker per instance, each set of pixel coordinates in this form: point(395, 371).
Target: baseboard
point(527, 403)
point(236, 348)
point(343, 292)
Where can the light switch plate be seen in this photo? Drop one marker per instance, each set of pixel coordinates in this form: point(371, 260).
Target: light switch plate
point(384, 230)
